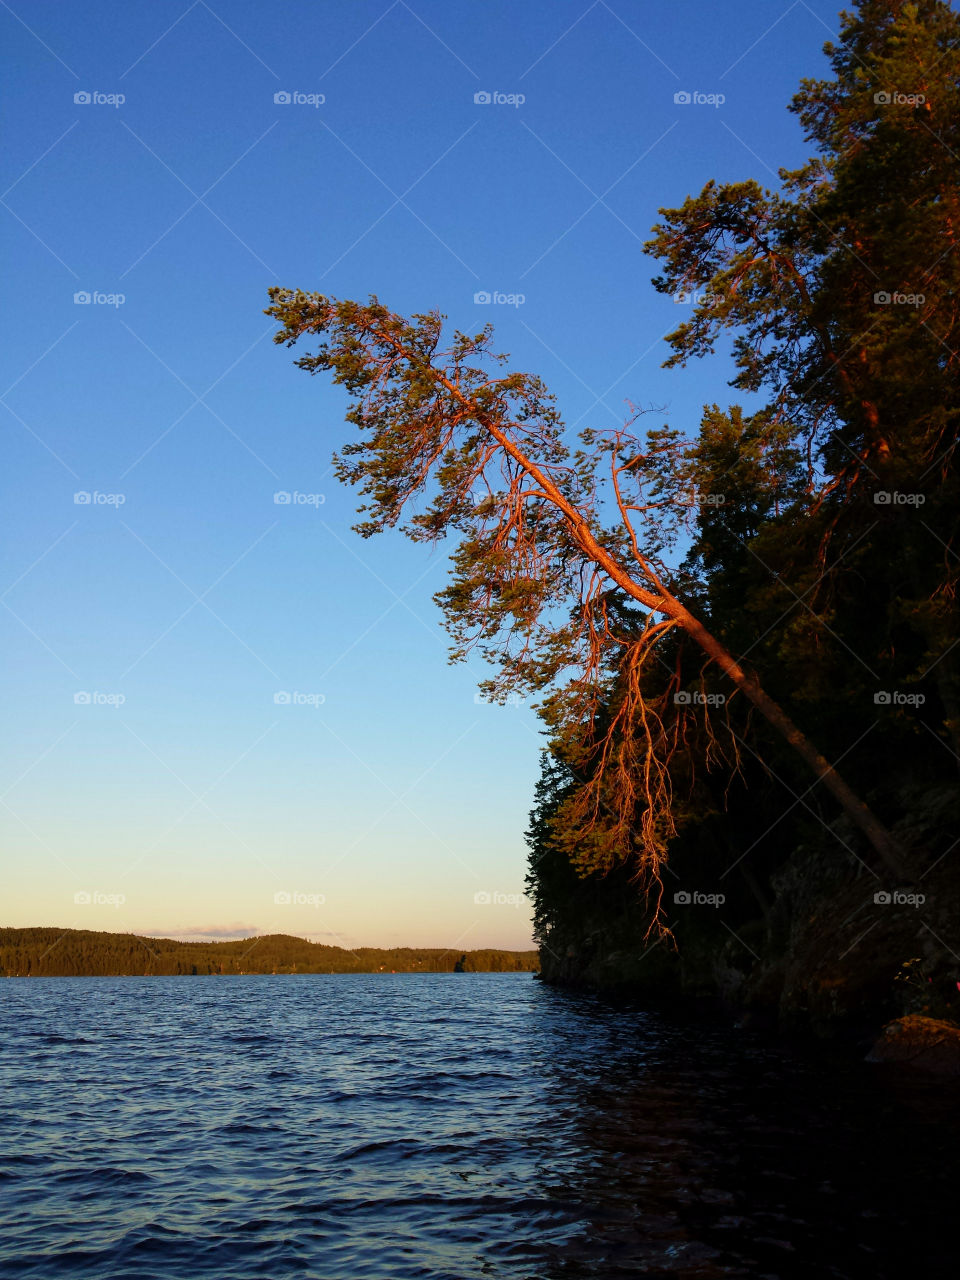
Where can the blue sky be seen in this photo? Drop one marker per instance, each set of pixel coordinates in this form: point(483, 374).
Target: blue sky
point(149, 631)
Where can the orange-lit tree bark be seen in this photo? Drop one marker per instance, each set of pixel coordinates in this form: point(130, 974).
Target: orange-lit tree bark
point(548, 540)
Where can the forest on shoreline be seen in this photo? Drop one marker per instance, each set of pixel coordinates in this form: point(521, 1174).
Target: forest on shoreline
point(822, 553)
point(75, 953)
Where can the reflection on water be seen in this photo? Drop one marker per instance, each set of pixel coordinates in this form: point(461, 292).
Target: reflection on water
point(445, 1126)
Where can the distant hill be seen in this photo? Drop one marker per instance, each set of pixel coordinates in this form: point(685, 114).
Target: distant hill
point(63, 953)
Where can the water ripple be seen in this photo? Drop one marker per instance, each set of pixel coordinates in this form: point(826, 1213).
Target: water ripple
point(444, 1127)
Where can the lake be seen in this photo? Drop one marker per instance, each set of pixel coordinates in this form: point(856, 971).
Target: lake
point(446, 1126)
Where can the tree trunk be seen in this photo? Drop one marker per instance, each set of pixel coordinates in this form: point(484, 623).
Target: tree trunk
point(882, 841)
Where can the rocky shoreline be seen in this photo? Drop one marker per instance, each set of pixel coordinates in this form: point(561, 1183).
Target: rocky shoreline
point(820, 947)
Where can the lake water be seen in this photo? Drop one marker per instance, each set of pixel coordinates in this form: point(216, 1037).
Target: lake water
point(445, 1126)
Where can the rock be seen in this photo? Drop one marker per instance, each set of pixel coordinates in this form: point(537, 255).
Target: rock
point(922, 1043)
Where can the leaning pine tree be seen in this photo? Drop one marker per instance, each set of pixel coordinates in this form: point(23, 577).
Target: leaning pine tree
point(552, 545)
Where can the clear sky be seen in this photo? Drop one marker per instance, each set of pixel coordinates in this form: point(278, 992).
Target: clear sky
point(147, 757)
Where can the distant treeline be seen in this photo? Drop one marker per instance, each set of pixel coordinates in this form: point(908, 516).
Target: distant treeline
point(63, 953)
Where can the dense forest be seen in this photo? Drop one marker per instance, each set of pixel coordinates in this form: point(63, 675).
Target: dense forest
point(823, 550)
point(68, 953)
